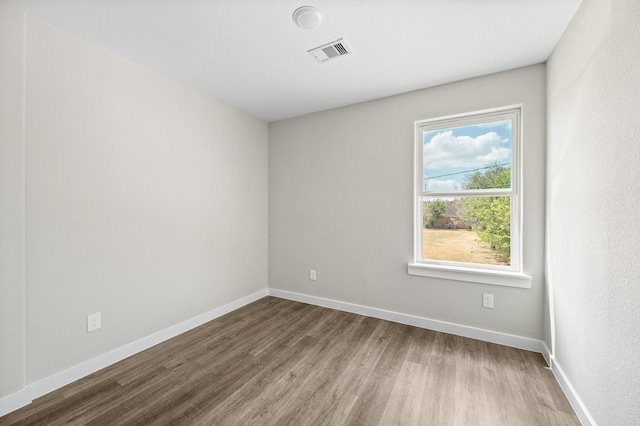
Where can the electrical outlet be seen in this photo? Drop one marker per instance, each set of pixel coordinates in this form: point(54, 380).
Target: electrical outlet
point(312, 274)
point(487, 300)
point(94, 322)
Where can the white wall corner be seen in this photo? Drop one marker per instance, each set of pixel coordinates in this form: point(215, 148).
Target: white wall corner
point(573, 397)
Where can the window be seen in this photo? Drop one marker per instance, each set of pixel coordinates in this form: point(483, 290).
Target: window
point(468, 198)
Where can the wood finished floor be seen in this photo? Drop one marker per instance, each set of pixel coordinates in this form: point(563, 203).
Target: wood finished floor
point(278, 362)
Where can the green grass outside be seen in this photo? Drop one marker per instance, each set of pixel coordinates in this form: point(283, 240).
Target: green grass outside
point(458, 245)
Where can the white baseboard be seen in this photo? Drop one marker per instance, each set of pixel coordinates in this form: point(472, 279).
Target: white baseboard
point(14, 401)
point(41, 387)
point(569, 391)
point(431, 324)
point(573, 397)
point(546, 353)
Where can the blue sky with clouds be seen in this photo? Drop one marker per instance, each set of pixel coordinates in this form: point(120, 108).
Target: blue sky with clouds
point(450, 155)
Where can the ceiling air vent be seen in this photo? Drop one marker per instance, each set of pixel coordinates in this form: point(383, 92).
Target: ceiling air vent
point(329, 51)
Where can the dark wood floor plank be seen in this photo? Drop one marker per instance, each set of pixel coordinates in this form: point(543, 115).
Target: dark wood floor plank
point(375, 394)
point(304, 378)
point(325, 384)
point(341, 395)
point(277, 362)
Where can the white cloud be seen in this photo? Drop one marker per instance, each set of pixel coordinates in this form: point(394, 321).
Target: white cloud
point(441, 185)
point(446, 150)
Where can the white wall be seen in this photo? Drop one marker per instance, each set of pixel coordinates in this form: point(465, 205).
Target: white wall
point(12, 281)
point(341, 202)
point(593, 189)
point(145, 201)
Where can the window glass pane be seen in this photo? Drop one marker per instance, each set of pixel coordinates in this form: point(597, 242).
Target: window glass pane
point(467, 229)
point(472, 156)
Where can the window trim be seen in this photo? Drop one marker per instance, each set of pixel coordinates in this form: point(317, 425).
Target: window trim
point(511, 275)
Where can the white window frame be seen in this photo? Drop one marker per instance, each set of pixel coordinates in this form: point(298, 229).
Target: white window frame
point(512, 275)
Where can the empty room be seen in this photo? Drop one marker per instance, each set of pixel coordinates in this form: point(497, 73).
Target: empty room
point(319, 213)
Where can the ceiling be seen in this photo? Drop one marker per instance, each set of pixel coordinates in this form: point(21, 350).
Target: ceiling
point(251, 55)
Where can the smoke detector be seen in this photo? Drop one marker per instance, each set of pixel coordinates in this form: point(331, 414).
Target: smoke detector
point(329, 51)
point(307, 17)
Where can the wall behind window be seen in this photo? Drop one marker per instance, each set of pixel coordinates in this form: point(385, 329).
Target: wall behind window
point(144, 199)
point(340, 202)
point(12, 280)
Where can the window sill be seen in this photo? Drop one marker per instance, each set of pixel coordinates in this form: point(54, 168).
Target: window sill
point(480, 276)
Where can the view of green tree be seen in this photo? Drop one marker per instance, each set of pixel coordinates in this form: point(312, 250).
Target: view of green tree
point(489, 217)
point(432, 211)
point(495, 177)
